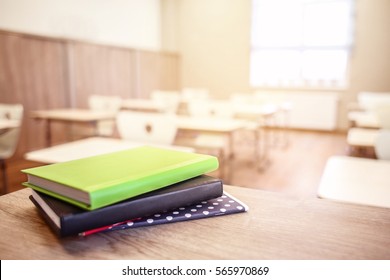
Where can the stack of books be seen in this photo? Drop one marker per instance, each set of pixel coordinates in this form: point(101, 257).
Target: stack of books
point(132, 188)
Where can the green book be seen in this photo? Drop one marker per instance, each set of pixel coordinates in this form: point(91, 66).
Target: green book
point(102, 180)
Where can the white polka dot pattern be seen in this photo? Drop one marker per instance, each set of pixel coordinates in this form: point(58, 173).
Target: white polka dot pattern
point(226, 204)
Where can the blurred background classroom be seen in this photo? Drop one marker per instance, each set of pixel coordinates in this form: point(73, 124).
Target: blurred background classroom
point(275, 89)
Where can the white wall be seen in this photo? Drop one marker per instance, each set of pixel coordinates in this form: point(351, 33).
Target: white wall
point(214, 44)
point(129, 23)
point(170, 25)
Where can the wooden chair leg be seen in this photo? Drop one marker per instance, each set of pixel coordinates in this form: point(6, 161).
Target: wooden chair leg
point(4, 175)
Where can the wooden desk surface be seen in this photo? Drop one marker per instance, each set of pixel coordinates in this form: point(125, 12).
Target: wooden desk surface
point(276, 227)
point(145, 105)
point(217, 125)
point(73, 115)
point(88, 147)
point(362, 137)
point(364, 119)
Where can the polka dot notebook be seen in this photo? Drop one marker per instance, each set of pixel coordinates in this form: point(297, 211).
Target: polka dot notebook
point(224, 205)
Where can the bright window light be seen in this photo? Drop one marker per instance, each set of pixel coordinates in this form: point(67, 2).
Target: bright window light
point(301, 42)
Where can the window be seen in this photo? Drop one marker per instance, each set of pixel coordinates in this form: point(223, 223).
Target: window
point(301, 43)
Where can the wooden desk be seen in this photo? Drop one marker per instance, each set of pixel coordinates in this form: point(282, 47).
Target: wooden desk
point(222, 126)
point(217, 126)
point(263, 115)
point(71, 116)
point(276, 227)
point(356, 180)
point(361, 141)
point(364, 119)
point(144, 105)
point(362, 137)
point(256, 111)
point(87, 147)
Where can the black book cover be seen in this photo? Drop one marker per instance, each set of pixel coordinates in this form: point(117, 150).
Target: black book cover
point(66, 219)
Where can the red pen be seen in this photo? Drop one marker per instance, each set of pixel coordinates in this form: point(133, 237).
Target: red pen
point(100, 229)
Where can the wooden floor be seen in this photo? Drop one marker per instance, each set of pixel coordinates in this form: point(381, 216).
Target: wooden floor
point(295, 169)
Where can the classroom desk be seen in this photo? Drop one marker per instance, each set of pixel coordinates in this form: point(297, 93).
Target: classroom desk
point(258, 112)
point(275, 227)
point(91, 117)
point(216, 126)
point(85, 148)
point(264, 115)
point(361, 140)
point(221, 126)
point(364, 119)
point(362, 137)
point(356, 180)
point(143, 105)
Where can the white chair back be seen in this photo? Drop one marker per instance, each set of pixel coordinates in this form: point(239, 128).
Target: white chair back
point(148, 128)
point(107, 104)
point(369, 100)
point(199, 108)
point(10, 137)
point(211, 108)
point(222, 109)
point(11, 111)
point(382, 144)
point(190, 94)
point(240, 101)
point(382, 111)
point(104, 103)
point(169, 100)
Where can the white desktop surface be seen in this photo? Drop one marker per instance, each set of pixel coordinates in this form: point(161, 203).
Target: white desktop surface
point(210, 124)
point(76, 115)
point(139, 104)
point(362, 137)
point(364, 119)
point(85, 148)
point(356, 180)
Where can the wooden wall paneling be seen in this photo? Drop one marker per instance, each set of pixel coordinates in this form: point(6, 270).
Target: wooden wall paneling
point(170, 71)
point(34, 74)
point(10, 87)
point(44, 73)
point(101, 70)
point(156, 71)
point(121, 72)
point(47, 78)
point(148, 73)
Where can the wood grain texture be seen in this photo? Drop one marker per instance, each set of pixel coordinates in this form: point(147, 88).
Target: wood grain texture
point(44, 73)
point(99, 70)
point(276, 227)
point(156, 72)
point(32, 72)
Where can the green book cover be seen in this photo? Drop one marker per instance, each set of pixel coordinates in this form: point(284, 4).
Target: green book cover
point(102, 180)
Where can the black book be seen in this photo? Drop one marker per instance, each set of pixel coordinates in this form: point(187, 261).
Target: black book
point(223, 205)
point(66, 219)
